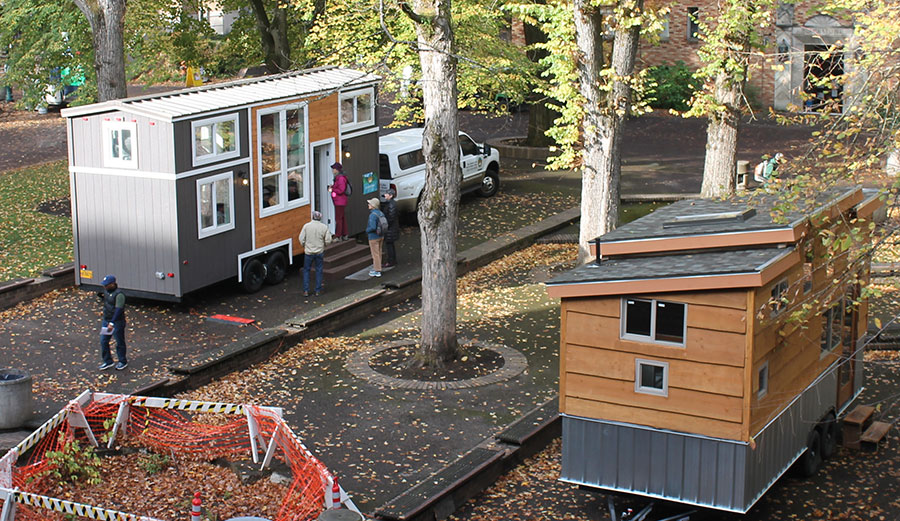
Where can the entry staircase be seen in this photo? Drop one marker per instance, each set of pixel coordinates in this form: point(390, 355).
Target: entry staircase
point(345, 257)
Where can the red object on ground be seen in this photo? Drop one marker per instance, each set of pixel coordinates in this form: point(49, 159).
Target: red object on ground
point(235, 320)
point(195, 507)
point(335, 495)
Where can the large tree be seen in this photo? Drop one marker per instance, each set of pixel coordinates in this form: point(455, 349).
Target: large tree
point(107, 21)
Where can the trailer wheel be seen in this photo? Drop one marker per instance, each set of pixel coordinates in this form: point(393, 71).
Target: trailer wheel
point(828, 435)
point(812, 458)
point(276, 267)
point(254, 275)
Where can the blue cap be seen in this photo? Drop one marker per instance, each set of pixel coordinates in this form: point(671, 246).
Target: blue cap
point(107, 280)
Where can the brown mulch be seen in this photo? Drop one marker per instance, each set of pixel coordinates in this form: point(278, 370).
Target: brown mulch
point(30, 138)
point(399, 362)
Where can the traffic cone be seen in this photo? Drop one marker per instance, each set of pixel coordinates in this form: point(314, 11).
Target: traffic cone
point(335, 495)
point(195, 507)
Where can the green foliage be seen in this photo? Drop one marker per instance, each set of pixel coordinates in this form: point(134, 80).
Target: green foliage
point(31, 241)
point(153, 463)
point(73, 463)
point(671, 86)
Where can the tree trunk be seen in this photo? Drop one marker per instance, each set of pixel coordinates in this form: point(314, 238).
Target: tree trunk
point(273, 37)
point(721, 138)
point(603, 122)
point(439, 207)
point(540, 118)
point(107, 21)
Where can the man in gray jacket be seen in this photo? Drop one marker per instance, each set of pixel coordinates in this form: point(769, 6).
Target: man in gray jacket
point(314, 237)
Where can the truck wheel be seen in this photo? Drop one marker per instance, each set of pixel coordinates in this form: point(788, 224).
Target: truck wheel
point(490, 183)
point(812, 458)
point(828, 435)
point(276, 267)
point(254, 275)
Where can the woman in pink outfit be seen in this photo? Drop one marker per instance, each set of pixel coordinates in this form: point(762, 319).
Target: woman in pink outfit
point(339, 197)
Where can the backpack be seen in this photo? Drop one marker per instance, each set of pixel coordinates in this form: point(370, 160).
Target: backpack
point(381, 225)
point(348, 189)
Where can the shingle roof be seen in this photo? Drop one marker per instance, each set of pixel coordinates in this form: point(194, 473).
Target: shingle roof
point(188, 102)
point(679, 265)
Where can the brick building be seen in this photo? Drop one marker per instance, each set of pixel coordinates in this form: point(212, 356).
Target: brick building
point(778, 78)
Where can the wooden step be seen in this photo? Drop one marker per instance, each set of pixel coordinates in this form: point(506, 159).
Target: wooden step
point(855, 423)
point(875, 433)
point(340, 271)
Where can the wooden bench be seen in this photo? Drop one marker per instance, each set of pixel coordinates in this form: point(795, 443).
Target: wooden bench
point(875, 433)
point(855, 423)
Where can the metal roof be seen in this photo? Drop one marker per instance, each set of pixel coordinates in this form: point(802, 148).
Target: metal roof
point(184, 103)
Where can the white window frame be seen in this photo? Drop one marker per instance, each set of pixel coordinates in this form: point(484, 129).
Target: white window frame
point(108, 159)
point(357, 123)
point(638, 388)
point(652, 337)
point(215, 229)
point(763, 389)
point(211, 158)
point(283, 203)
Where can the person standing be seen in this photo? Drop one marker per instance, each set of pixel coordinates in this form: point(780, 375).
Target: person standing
point(375, 238)
point(113, 323)
point(314, 236)
point(338, 192)
point(389, 208)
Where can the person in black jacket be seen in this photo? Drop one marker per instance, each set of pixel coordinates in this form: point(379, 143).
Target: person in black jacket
point(393, 232)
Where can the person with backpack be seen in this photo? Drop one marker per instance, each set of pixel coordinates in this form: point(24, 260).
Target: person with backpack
point(340, 191)
point(375, 229)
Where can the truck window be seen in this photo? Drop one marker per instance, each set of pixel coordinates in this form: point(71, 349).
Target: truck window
point(469, 148)
point(384, 167)
point(411, 159)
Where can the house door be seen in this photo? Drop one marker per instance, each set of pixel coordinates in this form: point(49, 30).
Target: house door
point(323, 158)
point(823, 73)
point(849, 330)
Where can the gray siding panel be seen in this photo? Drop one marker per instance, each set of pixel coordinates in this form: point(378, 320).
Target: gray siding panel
point(718, 473)
point(154, 144)
point(183, 153)
point(363, 159)
point(119, 227)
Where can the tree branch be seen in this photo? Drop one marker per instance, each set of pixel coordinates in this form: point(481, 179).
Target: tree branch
point(414, 16)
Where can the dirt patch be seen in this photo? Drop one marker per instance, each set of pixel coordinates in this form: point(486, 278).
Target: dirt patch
point(398, 362)
point(61, 207)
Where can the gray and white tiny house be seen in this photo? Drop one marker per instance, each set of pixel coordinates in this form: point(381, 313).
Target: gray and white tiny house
point(685, 374)
point(177, 191)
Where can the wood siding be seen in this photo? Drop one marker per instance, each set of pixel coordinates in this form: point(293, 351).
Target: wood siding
point(154, 144)
point(705, 377)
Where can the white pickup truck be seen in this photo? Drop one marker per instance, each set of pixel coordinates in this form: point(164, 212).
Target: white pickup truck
point(402, 167)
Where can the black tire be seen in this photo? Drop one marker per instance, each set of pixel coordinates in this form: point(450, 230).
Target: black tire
point(254, 274)
point(490, 183)
point(276, 267)
point(828, 435)
point(811, 459)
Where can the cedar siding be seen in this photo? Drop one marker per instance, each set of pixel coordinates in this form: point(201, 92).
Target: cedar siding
point(705, 382)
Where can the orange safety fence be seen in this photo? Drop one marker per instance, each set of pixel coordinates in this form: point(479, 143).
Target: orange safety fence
point(203, 432)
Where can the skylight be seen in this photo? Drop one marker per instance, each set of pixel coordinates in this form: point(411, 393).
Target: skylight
point(710, 218)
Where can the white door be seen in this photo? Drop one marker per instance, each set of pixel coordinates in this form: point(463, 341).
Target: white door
point(471, 161)
point(323, 158)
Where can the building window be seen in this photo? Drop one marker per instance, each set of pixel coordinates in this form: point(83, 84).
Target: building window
point(282, 151)
point(215, 139)
point(654, 321)
point(215, 204)
point(664, 34)
point(831, 327)
point(358, 109)
point(693, 24)
point(762, 379)
point(120, 144)
point(779, 296)
point(651, 377)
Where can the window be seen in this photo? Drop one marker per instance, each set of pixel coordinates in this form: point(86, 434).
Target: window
point(119, 144)
point(831, 327)
point(654, 321)
point(779, 292)
point(693, 24)
point(651, 377)
point(411, 159)
point(664, 34)
point(215, 139)
point(762, 379)
point(469, 148)
point(282, 144)
point(215, 204)
point(357, 109)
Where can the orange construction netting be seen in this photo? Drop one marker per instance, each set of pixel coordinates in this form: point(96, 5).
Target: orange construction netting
point(193, 434)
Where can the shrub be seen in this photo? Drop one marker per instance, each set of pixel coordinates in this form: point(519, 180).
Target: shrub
point(671, 86)
point(73, 463)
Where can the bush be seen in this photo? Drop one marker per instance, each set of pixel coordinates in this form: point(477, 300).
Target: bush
point(671, 86)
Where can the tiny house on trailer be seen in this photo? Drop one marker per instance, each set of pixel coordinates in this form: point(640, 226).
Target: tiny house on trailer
point(686, 372)
point(177, 191)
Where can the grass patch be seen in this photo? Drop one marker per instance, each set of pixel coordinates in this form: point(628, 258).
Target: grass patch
point(31, 241)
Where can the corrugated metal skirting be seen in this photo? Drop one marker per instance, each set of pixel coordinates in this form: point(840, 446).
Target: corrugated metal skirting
point(709, 472)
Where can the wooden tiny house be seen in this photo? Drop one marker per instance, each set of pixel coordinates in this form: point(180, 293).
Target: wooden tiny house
point(177, 191)
point(690, 369)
